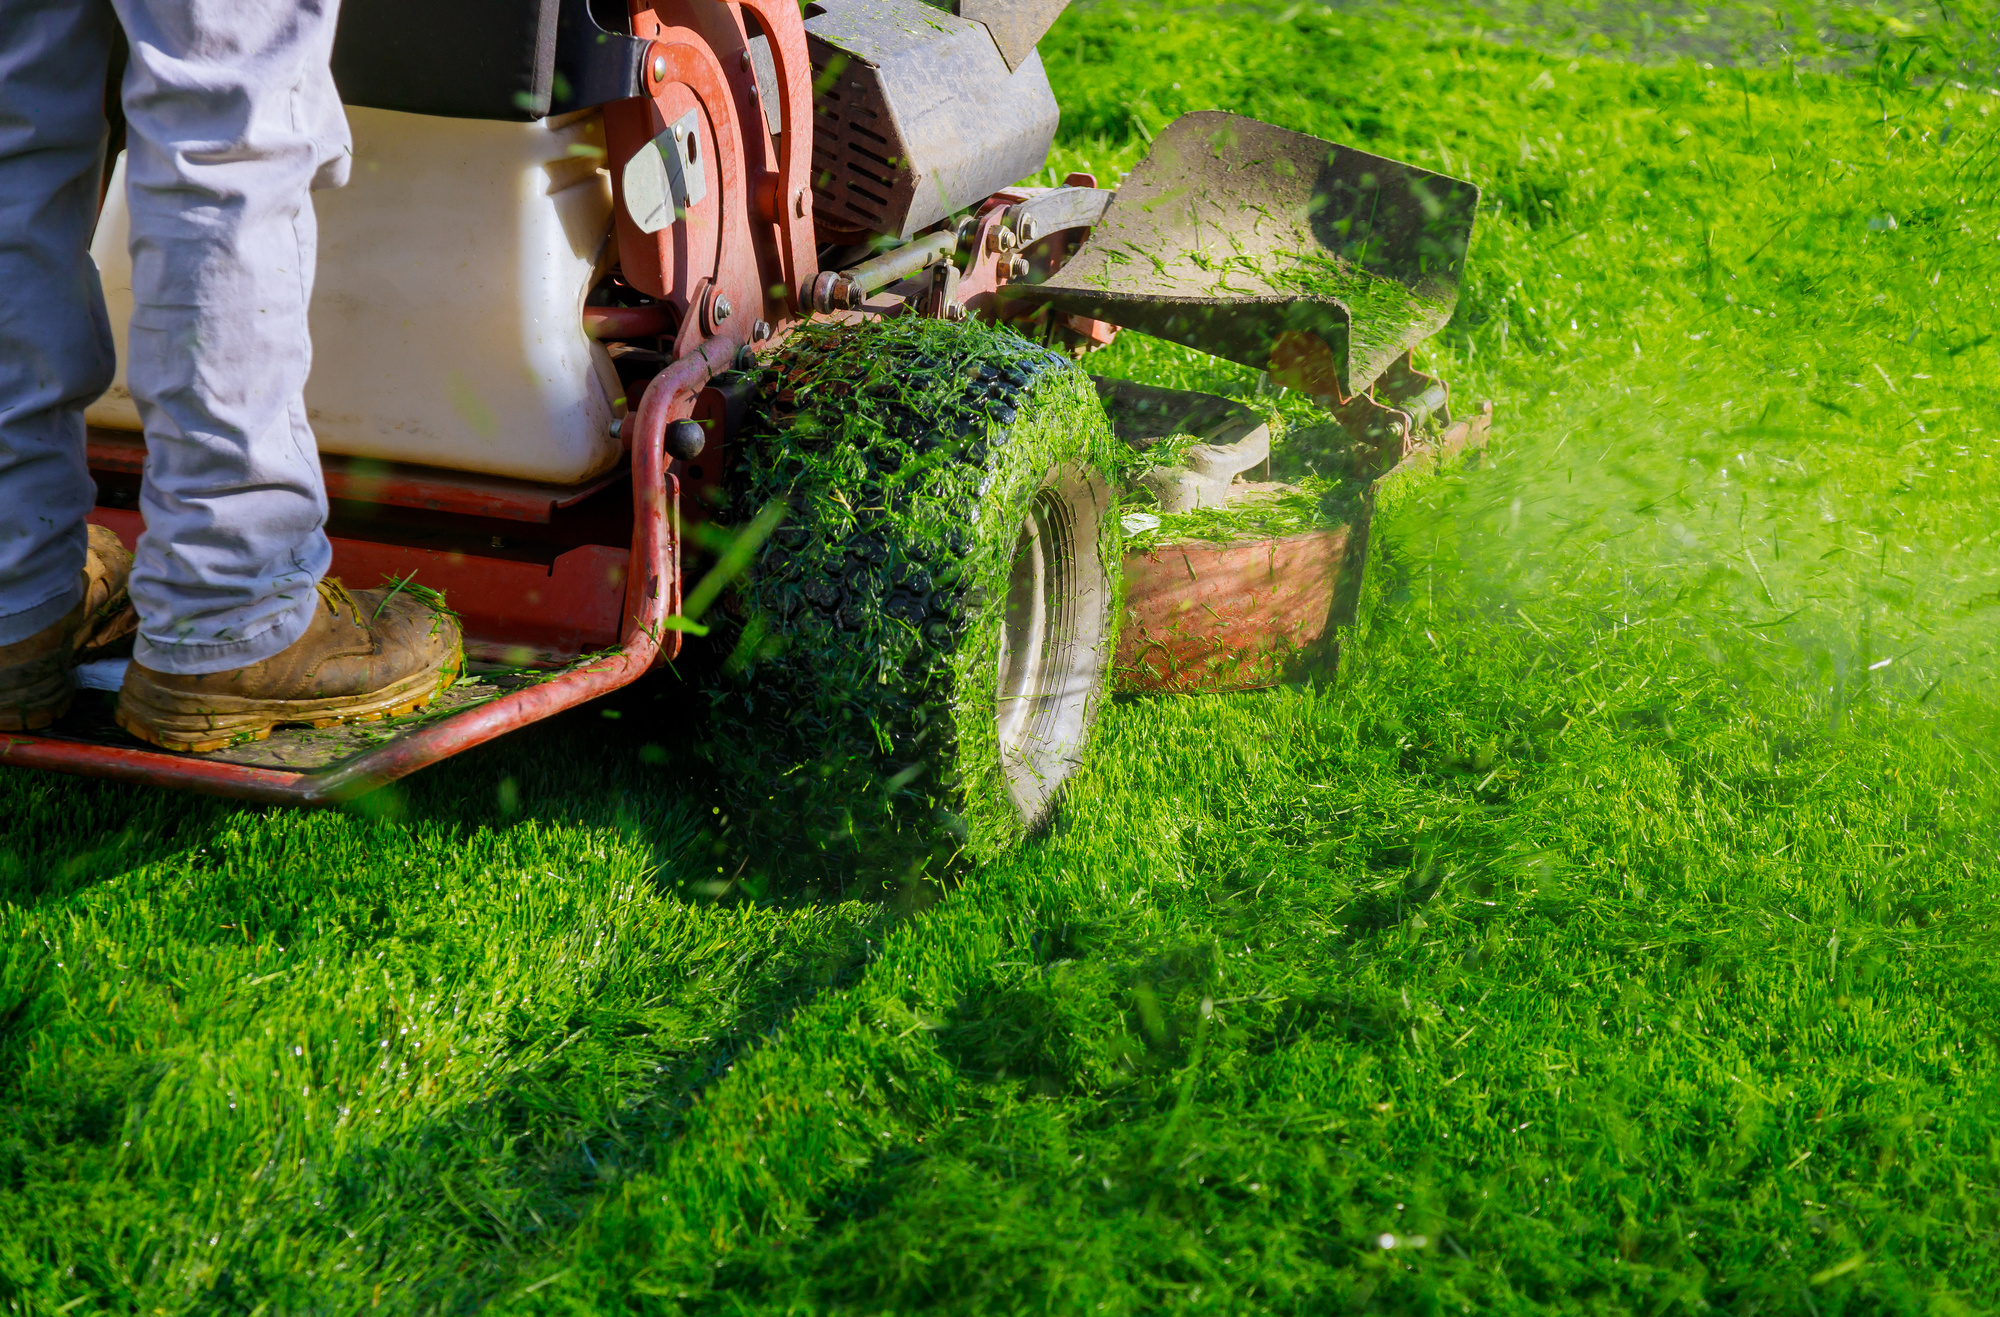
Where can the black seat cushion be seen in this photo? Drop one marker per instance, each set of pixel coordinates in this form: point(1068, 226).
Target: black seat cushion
point(469, 59)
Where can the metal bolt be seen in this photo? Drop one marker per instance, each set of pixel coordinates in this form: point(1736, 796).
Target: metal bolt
point(1029, 229)
point(746, 359)
point(743, 61)
point(954, 310)
point(1017, 268)
point(720, 309)
point(760, 331)
point(686, 439)
point(659, 68)
point(1000, 239)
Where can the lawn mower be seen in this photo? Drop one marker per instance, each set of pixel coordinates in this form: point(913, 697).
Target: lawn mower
point(731, 322)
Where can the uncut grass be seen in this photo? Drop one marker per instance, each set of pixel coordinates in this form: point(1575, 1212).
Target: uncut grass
point(1616, 933)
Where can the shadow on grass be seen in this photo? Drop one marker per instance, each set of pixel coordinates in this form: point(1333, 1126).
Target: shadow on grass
point(471, 1183)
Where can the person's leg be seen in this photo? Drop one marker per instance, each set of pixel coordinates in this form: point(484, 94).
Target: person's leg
point(232, 119)
point(55, 341)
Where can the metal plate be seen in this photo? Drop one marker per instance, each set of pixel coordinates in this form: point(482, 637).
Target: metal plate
point(521, 611)
point(669, 178)
point(1016, 25)
point(1318, 263)
point(1230, 616)
point(1256, 611)
point(916, 115)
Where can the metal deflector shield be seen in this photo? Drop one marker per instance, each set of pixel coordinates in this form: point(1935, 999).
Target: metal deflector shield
point(1276, 250)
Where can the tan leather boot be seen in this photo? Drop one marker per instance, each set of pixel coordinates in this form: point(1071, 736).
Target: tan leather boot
point(109, 620)
point(366, 655)
point(35, 682)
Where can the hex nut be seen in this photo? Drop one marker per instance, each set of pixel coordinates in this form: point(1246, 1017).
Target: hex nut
point(720, 309)
point(818, 295)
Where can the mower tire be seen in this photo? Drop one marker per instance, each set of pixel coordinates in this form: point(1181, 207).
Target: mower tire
point(917, 655)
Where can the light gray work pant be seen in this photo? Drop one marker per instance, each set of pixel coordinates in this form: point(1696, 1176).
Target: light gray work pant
point(232, 119)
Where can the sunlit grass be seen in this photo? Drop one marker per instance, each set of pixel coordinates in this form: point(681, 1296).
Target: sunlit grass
point(1615, 935)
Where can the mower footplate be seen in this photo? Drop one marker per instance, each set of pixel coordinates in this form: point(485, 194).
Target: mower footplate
point(296, 765)
point(294, 749)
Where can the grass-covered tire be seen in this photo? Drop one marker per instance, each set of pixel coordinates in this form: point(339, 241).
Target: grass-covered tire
point(920, 650)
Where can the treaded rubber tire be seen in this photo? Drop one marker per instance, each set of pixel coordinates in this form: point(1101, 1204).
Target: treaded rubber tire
point(918, 653)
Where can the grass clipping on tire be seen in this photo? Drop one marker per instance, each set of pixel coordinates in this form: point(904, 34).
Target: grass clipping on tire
point(857, 735)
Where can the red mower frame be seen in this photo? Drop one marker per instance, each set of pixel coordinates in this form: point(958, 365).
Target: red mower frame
point(446, 526)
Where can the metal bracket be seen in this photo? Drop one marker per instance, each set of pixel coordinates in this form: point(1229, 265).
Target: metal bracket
point(1054, 210)
point(1016, 25)
point(593, 66)
point(1425, 397)
point(941, 298)
point(667, 178)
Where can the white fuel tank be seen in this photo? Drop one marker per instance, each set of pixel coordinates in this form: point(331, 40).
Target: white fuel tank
point(447, 309)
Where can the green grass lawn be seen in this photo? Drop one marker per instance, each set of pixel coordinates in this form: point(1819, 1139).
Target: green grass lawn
point(1617, 933)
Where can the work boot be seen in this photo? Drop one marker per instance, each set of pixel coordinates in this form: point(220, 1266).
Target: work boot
point(109, 621)
point(365, 655)
point(36, 685)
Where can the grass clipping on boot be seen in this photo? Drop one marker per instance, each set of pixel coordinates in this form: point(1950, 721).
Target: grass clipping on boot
point(857, 733)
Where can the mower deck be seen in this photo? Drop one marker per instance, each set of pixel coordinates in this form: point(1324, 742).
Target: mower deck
point(1255, 610)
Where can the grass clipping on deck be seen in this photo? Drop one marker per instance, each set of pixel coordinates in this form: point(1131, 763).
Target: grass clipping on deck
point(1312, 504)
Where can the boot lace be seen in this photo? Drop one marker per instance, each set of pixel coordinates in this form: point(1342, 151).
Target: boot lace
point(336, 597)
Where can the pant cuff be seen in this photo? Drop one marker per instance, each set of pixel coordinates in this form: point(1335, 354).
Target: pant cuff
point(19, 626)
point(197, 658)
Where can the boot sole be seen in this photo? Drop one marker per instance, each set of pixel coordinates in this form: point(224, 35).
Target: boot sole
point(170, 721)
